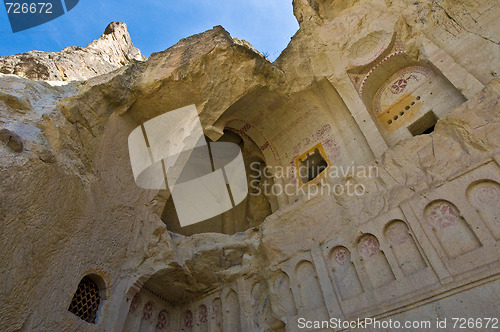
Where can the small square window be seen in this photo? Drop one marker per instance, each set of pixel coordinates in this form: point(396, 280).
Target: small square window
point(311, 164)
point(424, 125)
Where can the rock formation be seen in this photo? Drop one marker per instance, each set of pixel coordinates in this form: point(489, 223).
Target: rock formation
point(401, 103)
point(112, 50)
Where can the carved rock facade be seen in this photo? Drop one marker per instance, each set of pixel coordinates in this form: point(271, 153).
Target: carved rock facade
point(407, 89)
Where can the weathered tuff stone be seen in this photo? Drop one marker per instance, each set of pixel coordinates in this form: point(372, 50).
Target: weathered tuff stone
point(48, 157)
point(421, 242)
point(111, 51)
point(11, 139)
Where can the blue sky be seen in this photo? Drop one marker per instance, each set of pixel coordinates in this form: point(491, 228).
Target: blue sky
point(156, 25)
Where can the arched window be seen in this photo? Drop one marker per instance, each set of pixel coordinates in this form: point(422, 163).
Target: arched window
point(203, 318)
point(345, 276)
point(403, 247)
point(285, 295)
point(453, 232)
point(188, 320)
point(163, 320)
point(217, 314)
point(87, 298)
point(311, 294)
point(376, 265)
point(485, 196)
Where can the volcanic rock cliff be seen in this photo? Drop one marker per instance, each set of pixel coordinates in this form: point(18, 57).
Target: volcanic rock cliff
point(112, 50)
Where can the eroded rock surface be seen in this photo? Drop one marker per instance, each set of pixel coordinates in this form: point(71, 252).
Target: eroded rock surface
point(112, 50)
point(409, 90)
